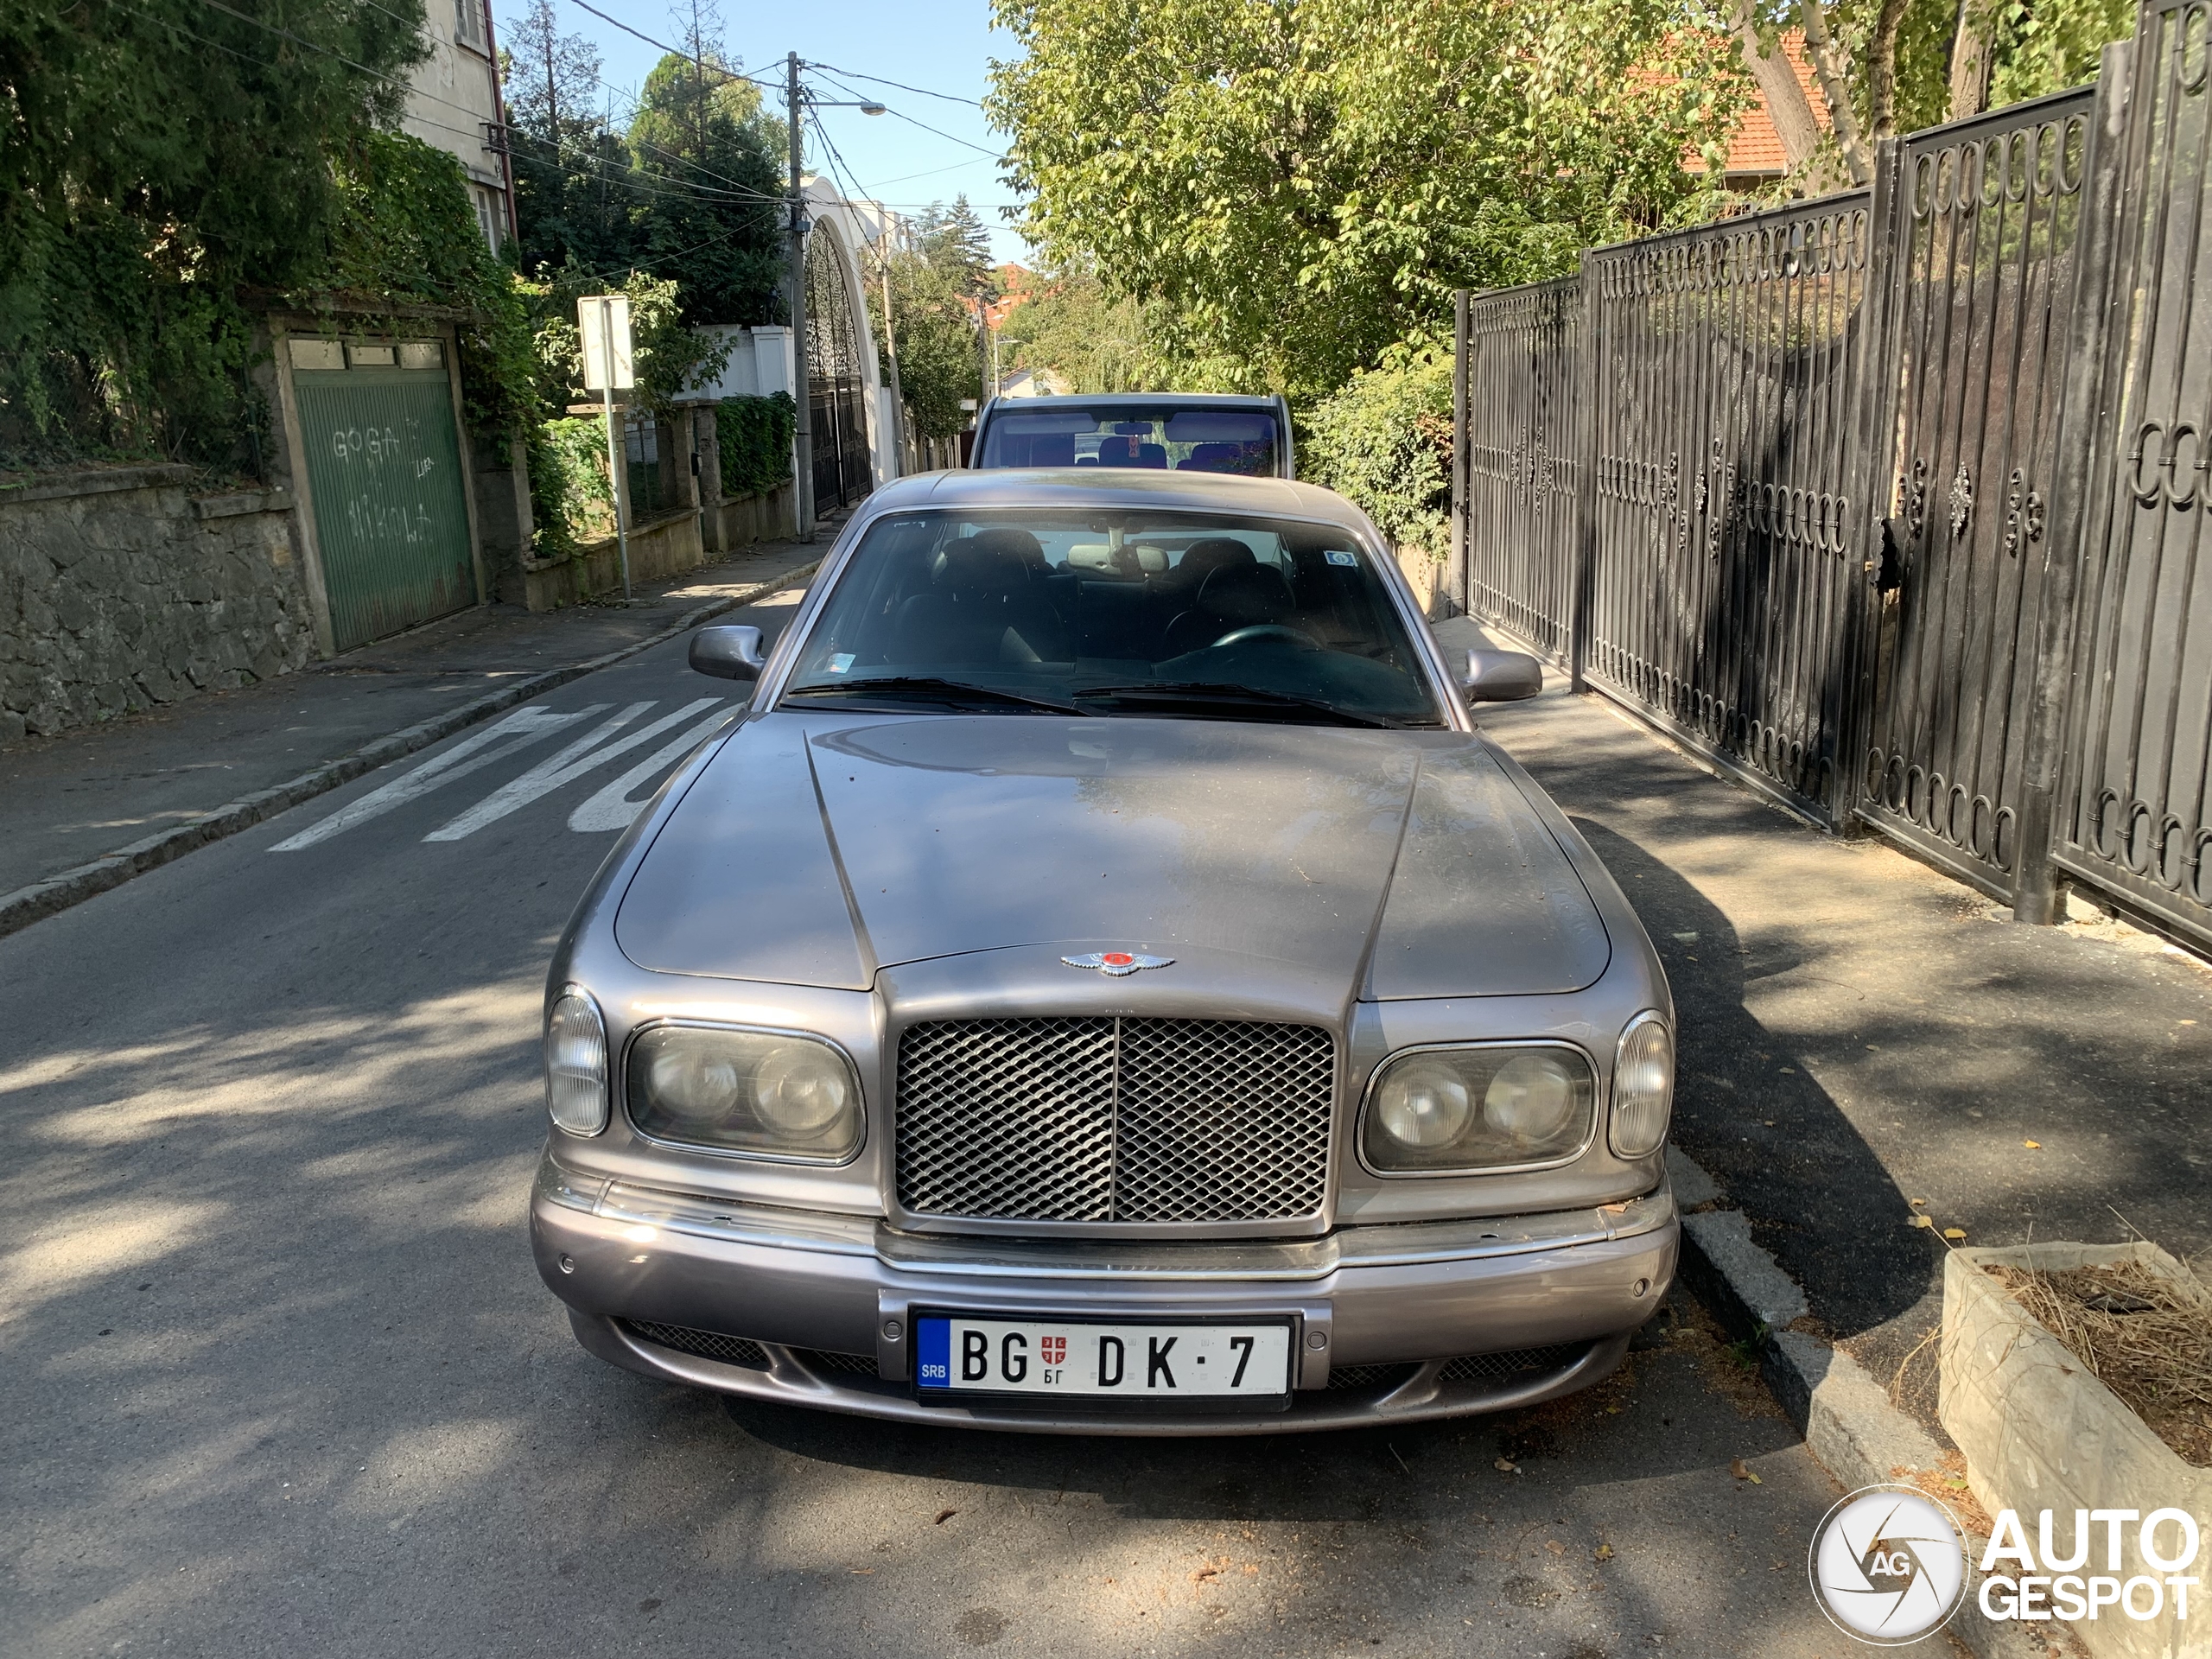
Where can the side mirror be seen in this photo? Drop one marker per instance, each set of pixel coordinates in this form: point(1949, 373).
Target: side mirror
point(1501, 677)
point(727, 653)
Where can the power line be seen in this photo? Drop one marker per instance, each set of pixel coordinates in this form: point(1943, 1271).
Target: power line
point(910, 120)
point(727, 74)
point(854, 74)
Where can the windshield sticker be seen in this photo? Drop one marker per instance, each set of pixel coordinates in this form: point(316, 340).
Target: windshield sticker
point(840, 661)
point(1349, 560)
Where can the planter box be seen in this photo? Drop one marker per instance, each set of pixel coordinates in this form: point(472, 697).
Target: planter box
point(2040, 1433)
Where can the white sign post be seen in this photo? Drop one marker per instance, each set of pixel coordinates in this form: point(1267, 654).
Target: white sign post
point(603, 321)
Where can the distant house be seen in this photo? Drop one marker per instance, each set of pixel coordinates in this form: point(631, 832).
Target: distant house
point(1755, 155)
point(453, 103)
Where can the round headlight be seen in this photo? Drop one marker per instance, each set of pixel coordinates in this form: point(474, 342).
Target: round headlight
point(694, 1085)
point(1424, 1103)
point(1531, 1097)
point(1643, 1087)
point(730, 1090)
point(802, 1089)
point(575, 1065)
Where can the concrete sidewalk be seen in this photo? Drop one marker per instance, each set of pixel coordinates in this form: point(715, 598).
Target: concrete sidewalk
point(1858, 1032)
point(67, 802)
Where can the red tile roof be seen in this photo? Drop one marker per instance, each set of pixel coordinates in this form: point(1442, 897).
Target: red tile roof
point(1755, 148)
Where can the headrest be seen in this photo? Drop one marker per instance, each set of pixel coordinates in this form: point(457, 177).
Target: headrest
point(990, 560)
point(1202, 558)
point(1242, 595)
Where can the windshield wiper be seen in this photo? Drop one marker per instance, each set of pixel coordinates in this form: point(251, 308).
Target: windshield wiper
point(930, 688)
point(1235, 699)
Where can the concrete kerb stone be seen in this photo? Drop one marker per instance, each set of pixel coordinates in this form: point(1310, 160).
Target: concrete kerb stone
point(1845, 1415)
point(58, 893)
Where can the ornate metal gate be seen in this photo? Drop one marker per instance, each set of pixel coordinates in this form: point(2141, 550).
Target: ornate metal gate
point(1523, 484)
point(2135, 811)
point(1723, 366)
point(844, 466)
point(1985, 219)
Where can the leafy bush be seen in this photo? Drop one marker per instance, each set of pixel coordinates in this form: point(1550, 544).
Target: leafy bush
point(571, 499)
point(1385, 442)
point(756, 435)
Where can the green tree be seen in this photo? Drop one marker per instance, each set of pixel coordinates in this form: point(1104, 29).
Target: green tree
point(935, 327)
point(1094, 340)
point(711, 216)
point(955, 240)
point(157, 158)
point(1300, 187)
point(573, 192)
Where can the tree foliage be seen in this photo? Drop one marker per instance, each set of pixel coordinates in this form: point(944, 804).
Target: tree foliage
point(690, 188)
point(1094, 340)
point(159, 159)
point(1385, 442)
point(933, 289)
point(1302, 186)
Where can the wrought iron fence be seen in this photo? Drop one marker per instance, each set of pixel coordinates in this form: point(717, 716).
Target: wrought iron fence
point(1892, 503)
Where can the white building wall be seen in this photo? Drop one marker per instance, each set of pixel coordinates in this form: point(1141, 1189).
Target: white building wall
point(453, 104)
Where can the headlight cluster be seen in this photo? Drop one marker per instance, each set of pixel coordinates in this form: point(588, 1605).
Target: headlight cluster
point(575, 1065)
point(1643, 1087)
point(745, 1091)
point(1454, 1109)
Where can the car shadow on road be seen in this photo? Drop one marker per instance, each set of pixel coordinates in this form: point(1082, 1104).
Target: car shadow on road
point(1750, 1112)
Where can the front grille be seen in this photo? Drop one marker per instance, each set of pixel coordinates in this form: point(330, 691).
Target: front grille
point(1515, 1365)
point(1105, 1120)
point(822, 1359)
point(707, 1344)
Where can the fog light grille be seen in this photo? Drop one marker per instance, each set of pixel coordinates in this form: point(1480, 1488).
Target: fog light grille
point(1103, 1119)
point(1515, 1365)
point(706, 1344)
point(1367, 1377)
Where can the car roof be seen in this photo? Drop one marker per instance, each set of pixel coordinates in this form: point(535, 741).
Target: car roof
point(1117, 488)
point(1132, 400)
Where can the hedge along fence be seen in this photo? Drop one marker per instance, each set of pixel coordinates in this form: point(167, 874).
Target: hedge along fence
point(1384, 442)
point(756, 435)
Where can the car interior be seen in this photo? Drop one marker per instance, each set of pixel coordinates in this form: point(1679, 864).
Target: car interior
point(1199, 441)
point(1290, 606)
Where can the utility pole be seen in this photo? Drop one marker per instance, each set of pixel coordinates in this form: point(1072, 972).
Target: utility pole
point(803, 458)
point(890, 352)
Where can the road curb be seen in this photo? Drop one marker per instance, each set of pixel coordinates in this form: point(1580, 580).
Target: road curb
point(1846, 1416)
point(40, 900)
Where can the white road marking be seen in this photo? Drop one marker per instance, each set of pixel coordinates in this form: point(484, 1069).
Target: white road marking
point(612, 808)
point(572, 762)
point(495, 742)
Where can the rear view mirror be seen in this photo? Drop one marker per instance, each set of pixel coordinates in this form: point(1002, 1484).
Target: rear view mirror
point(1501, 677)
point(727, 653)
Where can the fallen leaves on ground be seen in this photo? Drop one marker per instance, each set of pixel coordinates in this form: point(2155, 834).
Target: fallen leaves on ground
point(1743, 1471)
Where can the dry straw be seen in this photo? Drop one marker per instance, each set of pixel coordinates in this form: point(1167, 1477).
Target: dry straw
point(2144, 1334)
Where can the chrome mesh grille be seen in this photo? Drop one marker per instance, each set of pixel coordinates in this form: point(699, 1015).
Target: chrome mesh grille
point(1102, 1120)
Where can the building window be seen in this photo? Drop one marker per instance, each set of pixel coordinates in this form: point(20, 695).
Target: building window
point(488, 217)
point(468, 24)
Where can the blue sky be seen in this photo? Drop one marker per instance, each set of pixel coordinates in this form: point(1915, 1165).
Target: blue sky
point(944, 46)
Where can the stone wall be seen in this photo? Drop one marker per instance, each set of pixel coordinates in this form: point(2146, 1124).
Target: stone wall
point(119, 591)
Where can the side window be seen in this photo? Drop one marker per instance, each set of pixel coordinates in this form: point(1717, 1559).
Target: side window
point(468, 23)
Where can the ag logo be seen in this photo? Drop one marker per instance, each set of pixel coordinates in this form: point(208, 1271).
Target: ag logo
point(1888, 1566)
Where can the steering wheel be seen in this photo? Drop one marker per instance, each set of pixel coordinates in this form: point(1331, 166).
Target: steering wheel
point(1257, 631)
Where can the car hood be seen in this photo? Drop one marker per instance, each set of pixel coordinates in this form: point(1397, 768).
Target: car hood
point(816, 849)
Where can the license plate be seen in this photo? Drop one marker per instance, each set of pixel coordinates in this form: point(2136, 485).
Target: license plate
point(1208, 1366)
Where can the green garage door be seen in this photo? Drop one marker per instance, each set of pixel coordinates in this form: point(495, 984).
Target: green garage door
point(389, 514)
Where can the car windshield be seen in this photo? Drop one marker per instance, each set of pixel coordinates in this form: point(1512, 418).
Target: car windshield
point(1184, 439)
point(1113, 612)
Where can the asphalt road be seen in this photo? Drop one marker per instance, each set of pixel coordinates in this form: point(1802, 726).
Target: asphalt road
point(277, 1377)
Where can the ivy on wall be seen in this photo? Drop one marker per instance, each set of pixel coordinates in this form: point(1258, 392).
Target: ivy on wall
point(755, 435)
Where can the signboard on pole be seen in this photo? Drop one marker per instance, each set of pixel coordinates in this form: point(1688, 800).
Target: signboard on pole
point(603, 320)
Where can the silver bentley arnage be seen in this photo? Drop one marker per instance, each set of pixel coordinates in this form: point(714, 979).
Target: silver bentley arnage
point(1106, 983)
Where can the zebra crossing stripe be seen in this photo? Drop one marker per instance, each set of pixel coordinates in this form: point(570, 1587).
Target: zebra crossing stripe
point(594, 748)
point(495, 742)
point(612, 807)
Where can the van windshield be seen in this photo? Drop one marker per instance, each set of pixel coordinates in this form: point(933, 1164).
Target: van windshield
point(1171, 440)
point(1076, 611)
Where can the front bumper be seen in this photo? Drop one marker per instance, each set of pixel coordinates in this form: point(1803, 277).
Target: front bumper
point(814, 1296)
